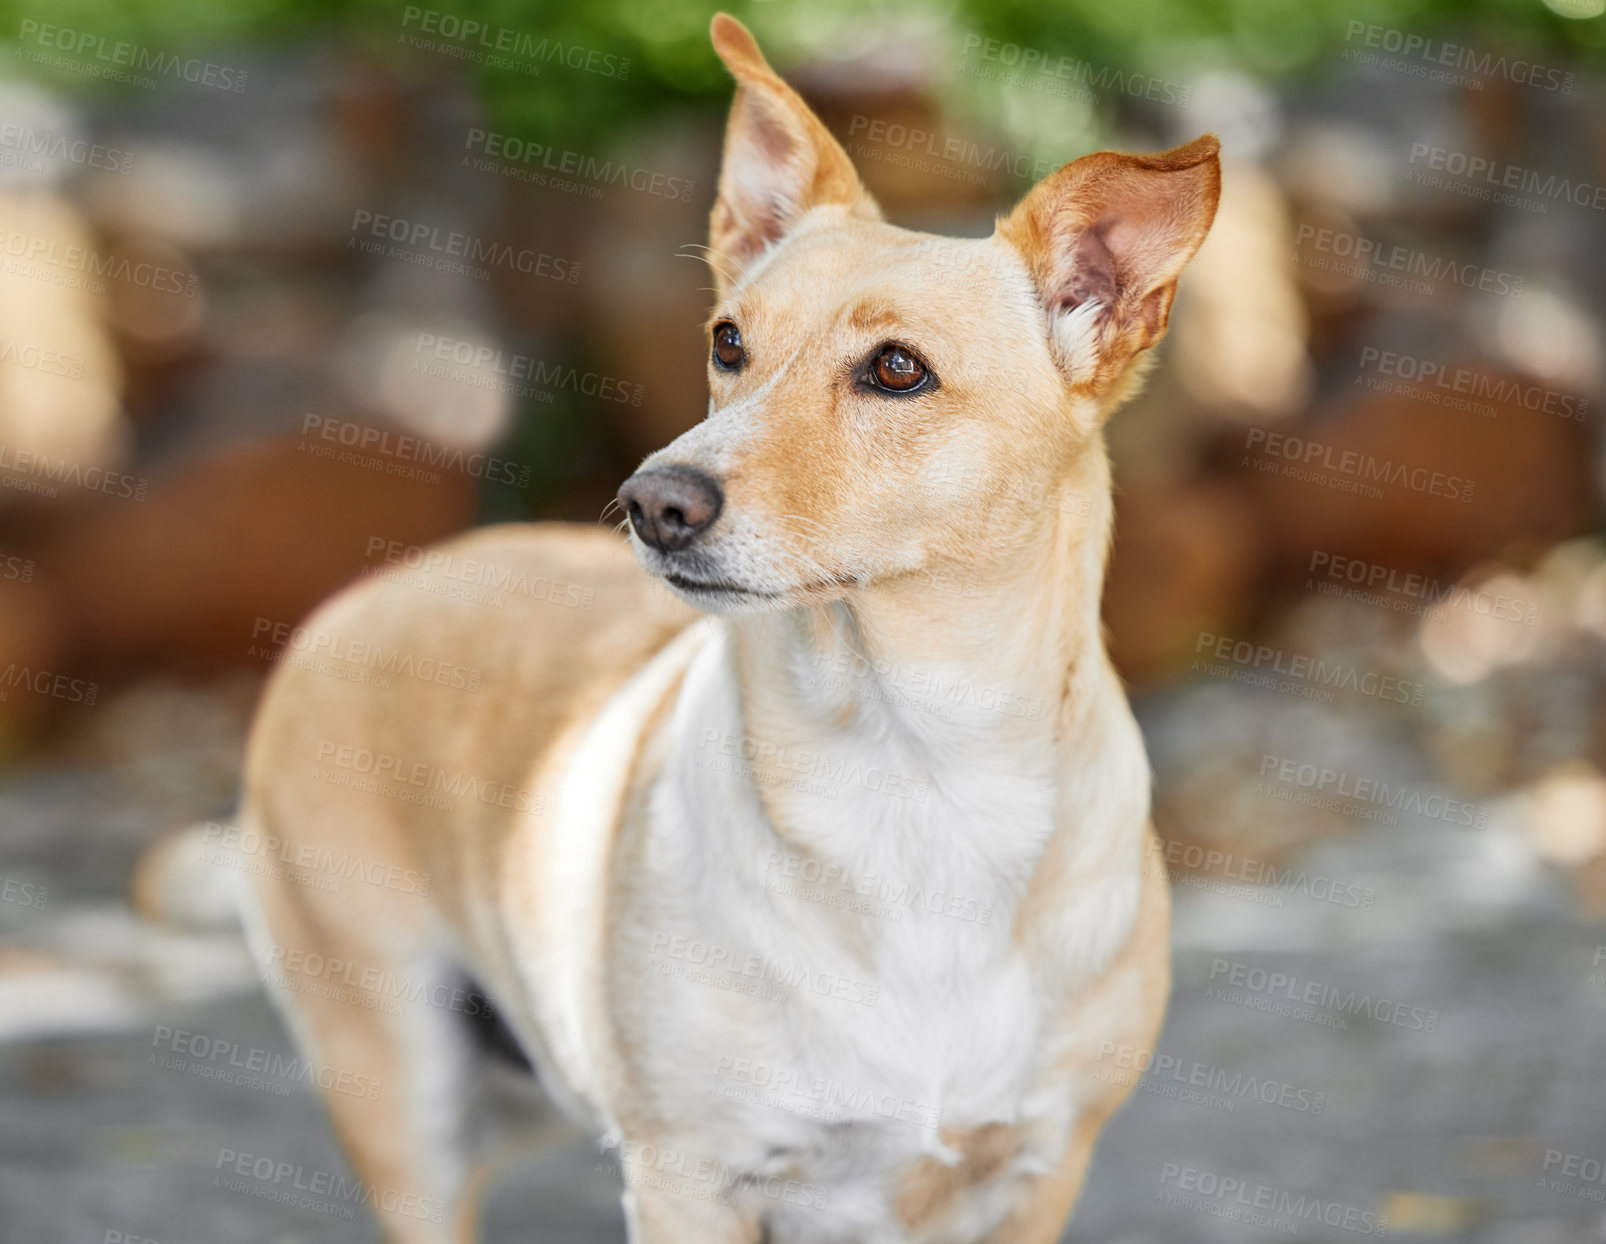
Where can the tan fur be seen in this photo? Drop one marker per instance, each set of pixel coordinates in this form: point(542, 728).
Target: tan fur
point(528, 692)
point(852, 510)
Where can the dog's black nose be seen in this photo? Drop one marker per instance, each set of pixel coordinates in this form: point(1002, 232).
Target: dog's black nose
point(671, 506)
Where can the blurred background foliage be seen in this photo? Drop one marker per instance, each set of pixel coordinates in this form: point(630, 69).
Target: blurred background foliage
point(673, 67)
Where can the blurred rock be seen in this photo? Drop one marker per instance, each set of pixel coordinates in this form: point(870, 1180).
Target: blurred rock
point(60, 377)
point(1239, 343)
point(1185, 558)
point(262, 532)
point(1530, 471)
point(32, 635)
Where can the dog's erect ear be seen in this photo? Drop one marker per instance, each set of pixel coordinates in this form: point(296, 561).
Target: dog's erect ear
point(780, 160)
point(1105, 238)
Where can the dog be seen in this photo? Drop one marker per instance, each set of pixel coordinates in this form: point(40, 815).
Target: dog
point(801, 841)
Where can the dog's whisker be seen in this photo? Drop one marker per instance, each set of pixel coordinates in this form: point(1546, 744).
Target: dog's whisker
point(711, 259)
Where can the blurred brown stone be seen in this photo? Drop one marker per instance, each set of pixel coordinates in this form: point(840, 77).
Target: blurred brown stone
point(1530, 473)
point(266, 531)
point(30, 642)
point(1185, 557)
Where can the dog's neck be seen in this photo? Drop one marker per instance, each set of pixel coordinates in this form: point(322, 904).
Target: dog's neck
point(972, 696)
point(1007, 643)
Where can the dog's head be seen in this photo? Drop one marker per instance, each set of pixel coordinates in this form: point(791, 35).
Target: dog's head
point(874, 390)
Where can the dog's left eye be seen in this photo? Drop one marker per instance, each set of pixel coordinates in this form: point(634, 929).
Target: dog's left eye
point(896, 369)
point(728, 352)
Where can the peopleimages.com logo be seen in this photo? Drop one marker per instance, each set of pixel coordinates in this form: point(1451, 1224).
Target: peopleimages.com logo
point(1574, 1174)
point(1260, 1205)
point(120, 61)
point(1461, 388)
point(1409, 268)
point(39, 145)
point(372, 987)
point(1256, 874)
point(743, 971)
point(245, 843)
point(1415, 593)
point(309, 1188)
point(1333, 790)
point(1485, 178)
point(398, 453)
point(449, 250)
point(1048, 73)
point(488, 367)
point(800, 768)
point(1312, 671)
point(800, 1091)
point(26, 470)
point(1262, 989)
point(949, 156)
point(1349, 470)
point(48, 683)
point(700, 1177)
point(546, 165)
point(502, 47)
point(41, 359)
point(1201, 1083)
point(214, 1058)
point(832, 885)
point(422, 775)
point(1441, 61)
point(359, 654)
point(47, 259)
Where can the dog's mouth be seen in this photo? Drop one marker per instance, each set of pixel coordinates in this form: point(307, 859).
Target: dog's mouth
point(707, 587)
point(715, 587)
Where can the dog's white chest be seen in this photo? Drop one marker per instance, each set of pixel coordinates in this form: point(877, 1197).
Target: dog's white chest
point(844, 1099)
point(952, 1048)
point(835, 996)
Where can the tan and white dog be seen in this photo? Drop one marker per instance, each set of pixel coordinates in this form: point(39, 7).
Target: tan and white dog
point(819, 910)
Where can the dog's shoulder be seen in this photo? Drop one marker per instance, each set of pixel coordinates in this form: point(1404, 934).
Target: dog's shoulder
point(470, 656)
point(511, 599)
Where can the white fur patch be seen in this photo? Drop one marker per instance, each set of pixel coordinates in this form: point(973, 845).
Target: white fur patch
point(564, 944)
point(1074, 338)
point(932, 823)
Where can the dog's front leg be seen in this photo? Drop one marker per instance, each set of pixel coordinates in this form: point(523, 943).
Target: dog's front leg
point(666, 1210)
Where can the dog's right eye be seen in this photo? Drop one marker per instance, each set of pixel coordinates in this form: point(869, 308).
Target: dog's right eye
point(728, 352)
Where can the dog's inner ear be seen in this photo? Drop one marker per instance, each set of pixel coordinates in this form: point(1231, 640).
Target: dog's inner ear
point(1105, 239)
point(779, 163)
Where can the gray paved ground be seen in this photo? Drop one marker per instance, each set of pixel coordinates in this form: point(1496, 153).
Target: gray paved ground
point(1456, 1040)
